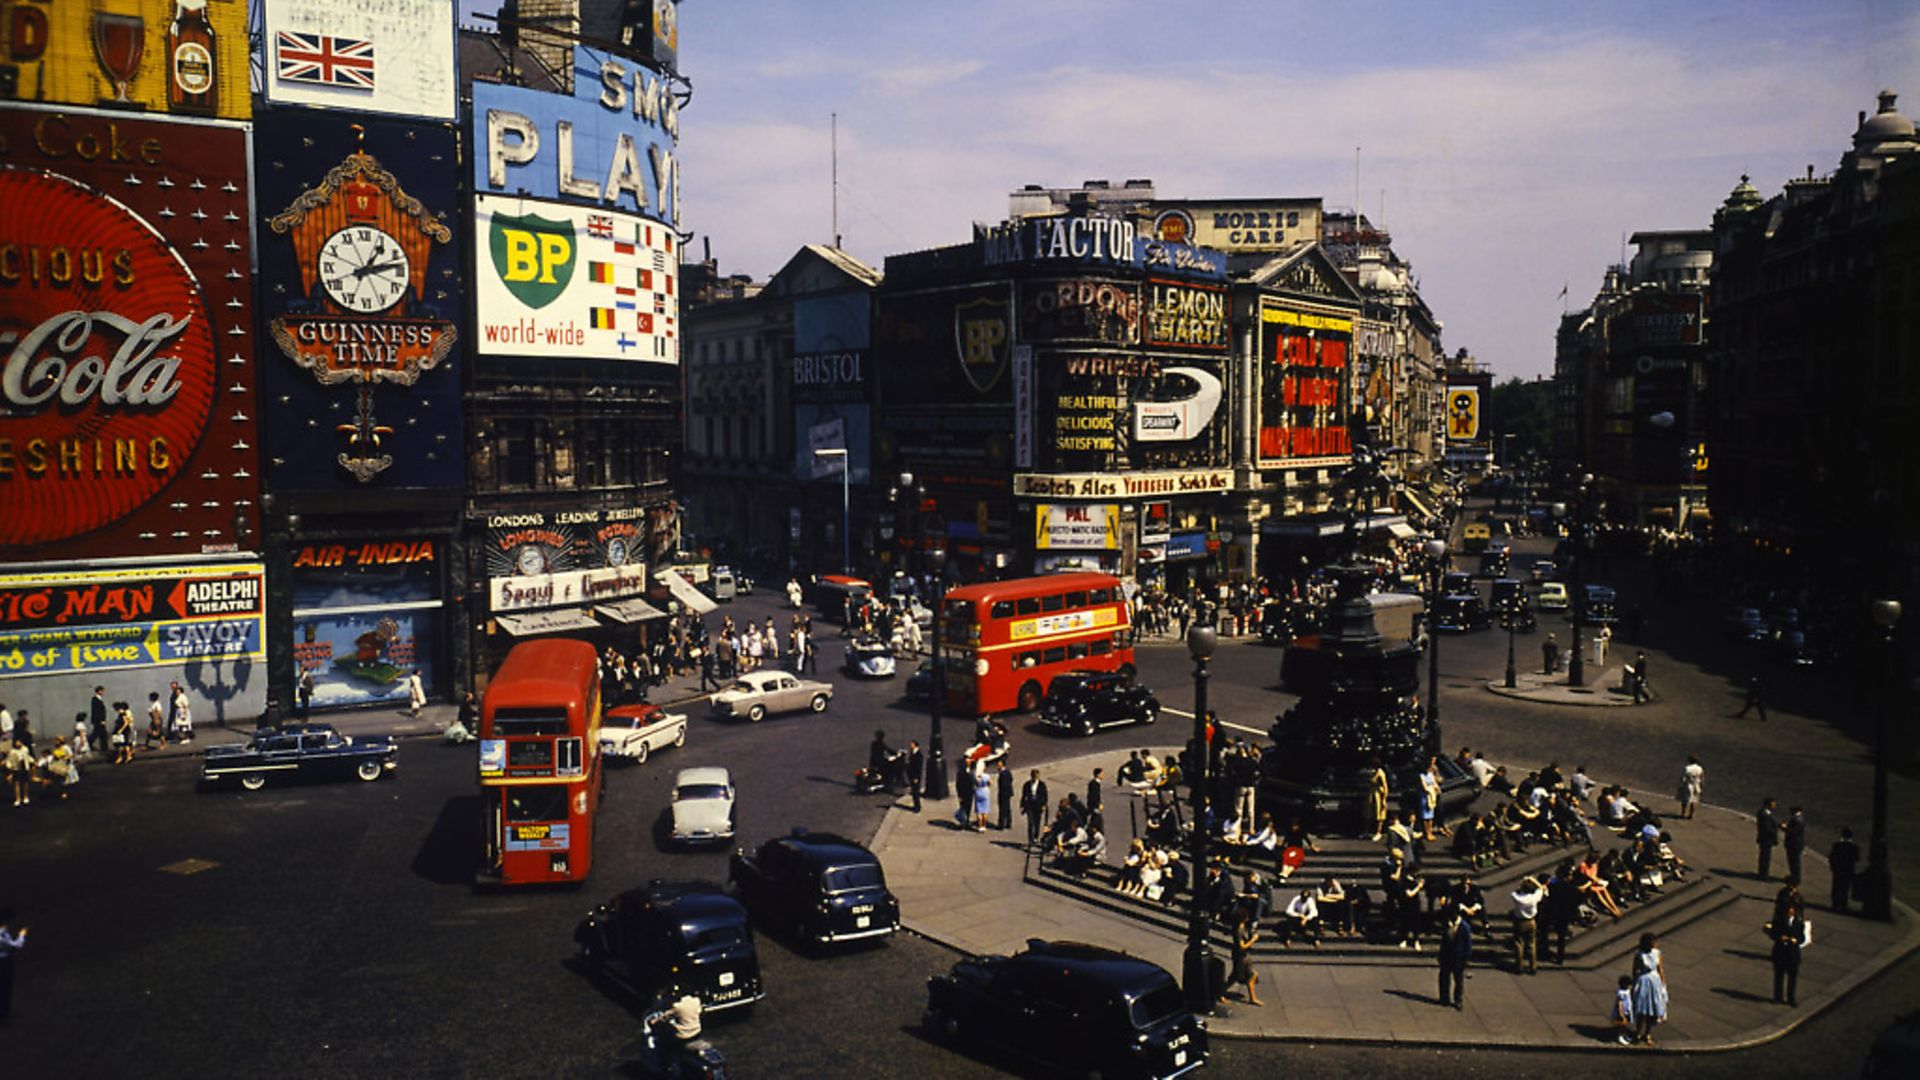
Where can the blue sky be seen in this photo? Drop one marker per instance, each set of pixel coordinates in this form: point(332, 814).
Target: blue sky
point(1509, 147)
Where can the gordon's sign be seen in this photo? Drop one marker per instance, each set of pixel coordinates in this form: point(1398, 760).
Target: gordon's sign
point(126, 389)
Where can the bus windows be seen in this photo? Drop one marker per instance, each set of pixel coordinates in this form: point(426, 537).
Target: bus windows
point(539, 802)
point(1002, 609)
point(1053, 656)
point(510, 722)
point(1027, 659)
point(1077, 651)
point(1052, 603)
point(527, 755)
point(1100, 596)
point(1101, 648)
point(1076, 599)
point(1027, 605)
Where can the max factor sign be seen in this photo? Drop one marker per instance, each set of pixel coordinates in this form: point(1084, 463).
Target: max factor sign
point(1120, 486)
point(1076, 239)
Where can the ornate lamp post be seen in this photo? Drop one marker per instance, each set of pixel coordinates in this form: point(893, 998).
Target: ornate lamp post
point(935, 559)
point(1877, 883)
point(1197, 966)
point(1512, 616)
point(1437, 556)
point(1576, 665)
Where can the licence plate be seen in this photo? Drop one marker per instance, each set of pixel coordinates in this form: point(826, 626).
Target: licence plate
point(861, 909)
point(726, 978)
point(1179, 1058)
point(863, 922)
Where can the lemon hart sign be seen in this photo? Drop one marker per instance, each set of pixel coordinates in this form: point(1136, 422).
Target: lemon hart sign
point(127, 397)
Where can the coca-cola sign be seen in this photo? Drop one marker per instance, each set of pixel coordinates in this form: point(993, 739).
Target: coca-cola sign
point(126, 394)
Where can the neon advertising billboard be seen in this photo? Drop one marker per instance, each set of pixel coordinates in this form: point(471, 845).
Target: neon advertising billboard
point(1303, 388)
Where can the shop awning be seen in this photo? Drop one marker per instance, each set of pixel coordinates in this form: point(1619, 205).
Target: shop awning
point(1400, 530)
point(629, 611)
point(1418, 507)
point(556, 621)
point(690, 598)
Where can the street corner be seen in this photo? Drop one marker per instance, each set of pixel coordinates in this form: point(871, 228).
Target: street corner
point(1605, 692)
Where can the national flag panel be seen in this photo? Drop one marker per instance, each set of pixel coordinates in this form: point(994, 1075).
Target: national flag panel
point(602, 318)
point(600, 272)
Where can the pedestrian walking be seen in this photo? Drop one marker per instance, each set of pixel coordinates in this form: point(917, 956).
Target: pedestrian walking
point(982, 800)
point(306, 695)
point(1693, 781)
point(916, 772)
point(1034, 805)
point(1640, 694)
point(1245, 933)
point(1003, 791)
point(707, 681)
point(97, 716)
point(11, 942)
point(19, 771)
point(1794, 834)
point(1526, 910)
point(1377, 793)
point(1456, 949)
point(962, 789)
point(1550, 654)
point(1094, 796)
point(182, 715)
point(1790, 936)
point(1601, 640)
point(1649, 989)
point(1622, 1016)
point(416, 693)
point(1767, 830)
point(156, 722)
point(1753, 701)
point(122, 739)
point(1842, 858)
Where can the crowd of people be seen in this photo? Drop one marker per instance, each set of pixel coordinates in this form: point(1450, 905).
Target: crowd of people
point(104, 732)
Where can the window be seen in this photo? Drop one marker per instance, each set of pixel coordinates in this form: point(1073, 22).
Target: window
point(530, 753)
point(848, 878)
point(1054, 655)
point(1077, 651)
point(1027, 605)
point(1027, 659)
point(1100, 596)
point(1001, 609)
point(1101, 648)
point(1076, 599)
point(1052, 603)
point(534, 721)
point(544, 802)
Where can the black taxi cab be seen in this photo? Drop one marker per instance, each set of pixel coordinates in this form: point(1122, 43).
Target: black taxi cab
point(685, 936)
point(824, 888)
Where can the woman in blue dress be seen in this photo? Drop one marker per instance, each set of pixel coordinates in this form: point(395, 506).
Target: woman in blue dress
point(982, 799)
point(1649, 989)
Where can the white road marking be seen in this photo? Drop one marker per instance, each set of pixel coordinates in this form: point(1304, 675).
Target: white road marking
point(1217, 723)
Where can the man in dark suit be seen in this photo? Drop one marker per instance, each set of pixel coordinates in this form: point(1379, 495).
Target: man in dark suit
point(97, 717)
point(1766, 834)
point(916, 772)
point(1456, 948)
point(1796, 842)
point(1093, 791)
point(1034, 805)
point(1003, 791)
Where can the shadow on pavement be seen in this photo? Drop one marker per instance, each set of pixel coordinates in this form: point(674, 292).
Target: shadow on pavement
point(451, 850)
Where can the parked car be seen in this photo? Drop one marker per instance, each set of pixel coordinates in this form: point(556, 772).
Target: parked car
point(633, 731)
point(759, 694)
point(1082, 1009)
point(300, 751)
point(1085, 701)
point(1746, 624)
point(685, 935)
point(920, 683)
point(722, 584)
point(702, 806)
point(825, 888)
point(869, 658)
point(1460, 614)
point(1553, 597)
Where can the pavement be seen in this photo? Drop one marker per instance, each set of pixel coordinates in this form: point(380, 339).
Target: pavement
point(1600, 688)
point(972, 893)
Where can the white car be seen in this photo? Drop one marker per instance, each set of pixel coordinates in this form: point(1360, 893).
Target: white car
point(756, 694)
point(1553, 597)
point(702, 806)
point(869, 658)
point(632, 731)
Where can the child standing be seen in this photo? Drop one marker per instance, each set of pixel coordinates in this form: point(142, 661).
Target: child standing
point(1623, 1011)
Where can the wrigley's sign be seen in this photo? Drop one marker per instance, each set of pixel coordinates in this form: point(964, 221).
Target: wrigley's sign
point(1122, 486)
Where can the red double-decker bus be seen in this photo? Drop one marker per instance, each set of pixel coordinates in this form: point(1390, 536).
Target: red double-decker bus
point(540, 775)
point(1003, 642)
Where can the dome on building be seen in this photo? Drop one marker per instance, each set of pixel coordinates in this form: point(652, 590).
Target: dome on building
point(1884, 127)
point(1744, 196)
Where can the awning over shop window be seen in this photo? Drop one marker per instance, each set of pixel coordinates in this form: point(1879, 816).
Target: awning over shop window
point(690, 598)
point(1400, 530)
point(629, 611)
point(557, 621)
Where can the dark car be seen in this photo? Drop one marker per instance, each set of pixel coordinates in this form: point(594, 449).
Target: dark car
point(1597, 606)
point(684, 935)
point(1496, 561)
point(1513, 608)
point(920, 683)
point(1085, 701)
point(825, 888)
point(1746, 624)
point(300, 751)
point(1083, 1009)
point(1460, 614)
point(1455, 583)
point(1281, 621)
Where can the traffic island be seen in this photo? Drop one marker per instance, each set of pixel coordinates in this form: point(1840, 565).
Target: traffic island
point(1608, 691)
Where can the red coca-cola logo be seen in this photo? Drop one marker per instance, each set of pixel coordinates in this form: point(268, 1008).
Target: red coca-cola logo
point(107, 370)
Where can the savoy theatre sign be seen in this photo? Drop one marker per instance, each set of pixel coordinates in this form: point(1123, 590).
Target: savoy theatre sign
point(1122, 485)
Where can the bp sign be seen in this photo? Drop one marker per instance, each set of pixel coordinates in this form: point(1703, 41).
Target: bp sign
point(534, 257)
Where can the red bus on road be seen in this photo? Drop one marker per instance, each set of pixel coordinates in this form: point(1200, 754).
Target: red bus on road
point(1003, 642)
point(540, 775)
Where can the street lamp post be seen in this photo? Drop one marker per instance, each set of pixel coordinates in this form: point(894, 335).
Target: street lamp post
point(1437, 555)
point(936, 781)
point(846, 473)
point(1576, 664)
point(1197, 966)
point(1512, 617)
point(1877, 883)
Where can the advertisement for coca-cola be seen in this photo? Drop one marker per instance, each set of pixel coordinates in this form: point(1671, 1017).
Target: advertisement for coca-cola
point(127, 396)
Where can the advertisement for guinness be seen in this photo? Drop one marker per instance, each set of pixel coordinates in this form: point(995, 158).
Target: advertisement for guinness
point(185, 57)
point(361, 294)
point(127, 396)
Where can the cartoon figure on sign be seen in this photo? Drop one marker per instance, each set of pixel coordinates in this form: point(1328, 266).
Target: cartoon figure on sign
point(1463, 414)
point(370, 662)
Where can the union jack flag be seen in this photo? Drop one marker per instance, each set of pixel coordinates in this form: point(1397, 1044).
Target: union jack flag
point(600, 225)
point(324, 59)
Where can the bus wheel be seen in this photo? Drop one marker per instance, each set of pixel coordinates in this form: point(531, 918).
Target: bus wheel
point(757, 713)
point(368, 771)
point(1029, 697)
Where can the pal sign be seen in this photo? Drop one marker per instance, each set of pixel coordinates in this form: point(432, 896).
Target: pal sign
point(610, 145)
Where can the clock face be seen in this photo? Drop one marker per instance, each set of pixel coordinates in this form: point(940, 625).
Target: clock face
point(363, 269)
point(531, 560)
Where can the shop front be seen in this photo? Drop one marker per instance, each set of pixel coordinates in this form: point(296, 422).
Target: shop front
point(367, 613)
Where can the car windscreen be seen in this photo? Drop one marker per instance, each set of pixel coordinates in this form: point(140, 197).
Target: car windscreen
point(744, 687)
point(530, 721)
point(542, 802)
point(712, 937)
point(849, 878)
point(1156, 1005)
point(701, 791)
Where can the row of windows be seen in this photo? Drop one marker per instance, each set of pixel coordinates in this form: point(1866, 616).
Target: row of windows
point(1037, 605)
point(538, 454)
point(1079, 650)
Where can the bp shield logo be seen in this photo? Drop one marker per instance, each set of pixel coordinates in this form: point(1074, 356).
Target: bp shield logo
point(533, 256)
point(982, 335)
